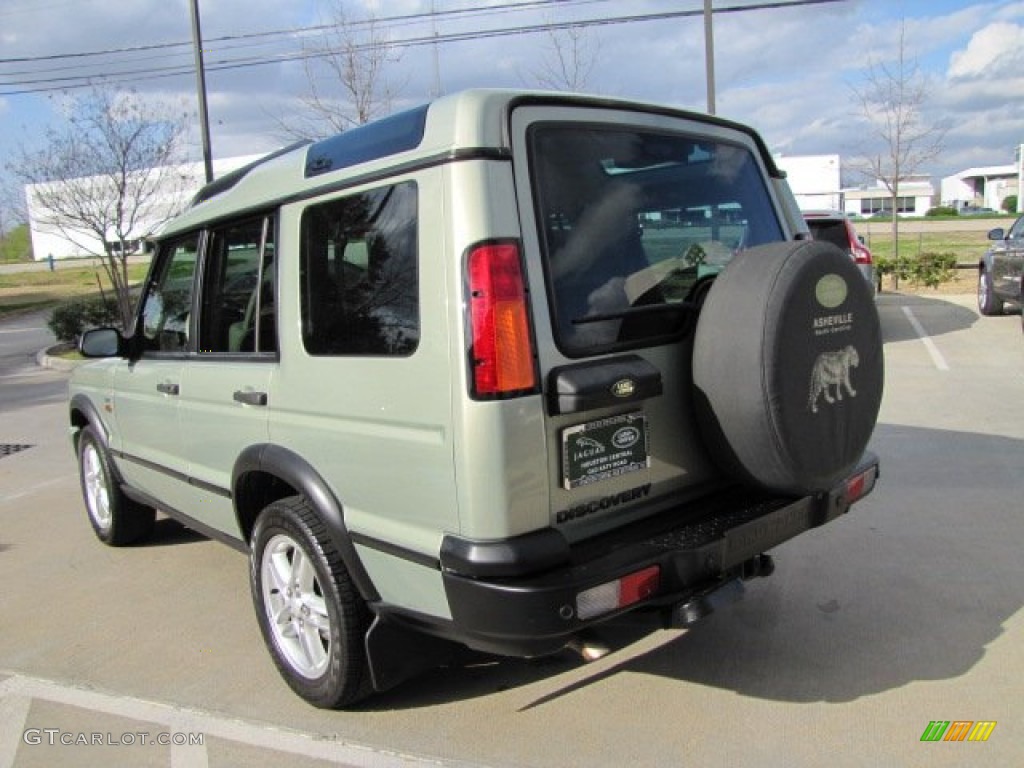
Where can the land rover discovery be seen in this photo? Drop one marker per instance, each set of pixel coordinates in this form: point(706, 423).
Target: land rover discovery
point(486, 373)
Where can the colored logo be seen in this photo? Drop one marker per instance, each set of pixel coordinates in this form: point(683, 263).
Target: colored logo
point(830, 291)
point(958, 730)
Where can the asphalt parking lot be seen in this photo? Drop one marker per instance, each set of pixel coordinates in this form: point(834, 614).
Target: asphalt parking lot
point(904, 613)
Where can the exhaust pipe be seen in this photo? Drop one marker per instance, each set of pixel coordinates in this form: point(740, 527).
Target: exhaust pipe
point(588, 646)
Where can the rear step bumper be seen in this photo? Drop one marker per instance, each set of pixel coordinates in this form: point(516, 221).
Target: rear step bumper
point(519, 596)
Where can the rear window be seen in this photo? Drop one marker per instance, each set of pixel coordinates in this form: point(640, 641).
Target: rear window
point(830, 231)
point(631, 221)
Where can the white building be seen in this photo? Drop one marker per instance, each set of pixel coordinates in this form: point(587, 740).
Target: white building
point(916, 194)
point(814, 180)
point(47, 241)
point(980, 187)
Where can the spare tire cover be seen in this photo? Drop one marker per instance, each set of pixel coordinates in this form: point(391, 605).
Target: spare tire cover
point(787, 366)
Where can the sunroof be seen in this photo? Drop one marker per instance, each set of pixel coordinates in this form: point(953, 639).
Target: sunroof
point(381, 138)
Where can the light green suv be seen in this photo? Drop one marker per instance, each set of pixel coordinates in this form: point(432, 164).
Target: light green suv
point(486, 373)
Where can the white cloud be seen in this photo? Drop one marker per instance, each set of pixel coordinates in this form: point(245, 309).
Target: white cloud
point(993, 51)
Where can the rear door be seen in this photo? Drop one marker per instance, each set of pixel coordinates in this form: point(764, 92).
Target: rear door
point(626, 218)
point(226, 384)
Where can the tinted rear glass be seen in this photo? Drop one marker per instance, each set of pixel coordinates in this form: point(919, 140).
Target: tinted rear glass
point(830, 231)
point(630, 221)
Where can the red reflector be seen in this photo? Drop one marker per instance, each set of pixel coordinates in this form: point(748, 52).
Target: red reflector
point(639, 586)
point(502, 352)
point(860, 485)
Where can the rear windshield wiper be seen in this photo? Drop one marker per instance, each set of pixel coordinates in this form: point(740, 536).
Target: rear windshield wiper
point(643, 309)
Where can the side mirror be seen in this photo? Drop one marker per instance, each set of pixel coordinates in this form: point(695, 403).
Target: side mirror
point(102, 342)
point(996, 234)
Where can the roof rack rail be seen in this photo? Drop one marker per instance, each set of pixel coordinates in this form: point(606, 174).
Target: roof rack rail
point(228, 180)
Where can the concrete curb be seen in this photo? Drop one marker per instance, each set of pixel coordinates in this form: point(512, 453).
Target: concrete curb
point(46, 360)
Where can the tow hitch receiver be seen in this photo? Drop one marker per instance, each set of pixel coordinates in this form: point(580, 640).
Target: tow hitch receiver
point(700, 605)
point(718, 595)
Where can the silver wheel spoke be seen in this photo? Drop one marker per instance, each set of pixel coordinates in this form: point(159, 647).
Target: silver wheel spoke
point(312, 645)
point(318, 616)
point(302, 574)
point(276, 572)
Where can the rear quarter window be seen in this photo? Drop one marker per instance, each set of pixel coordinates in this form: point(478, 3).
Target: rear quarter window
point(359, 274)
point(631, 220)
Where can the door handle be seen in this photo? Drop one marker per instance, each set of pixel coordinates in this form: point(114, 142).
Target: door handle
point(168, 388)
point(250, 398)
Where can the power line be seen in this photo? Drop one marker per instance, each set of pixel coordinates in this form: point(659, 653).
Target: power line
point(229, 64)
point(386, 21)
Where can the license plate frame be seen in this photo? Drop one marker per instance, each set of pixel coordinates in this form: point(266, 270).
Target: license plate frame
point(604, 448)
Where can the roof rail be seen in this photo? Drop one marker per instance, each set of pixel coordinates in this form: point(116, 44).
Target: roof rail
point(228, 180)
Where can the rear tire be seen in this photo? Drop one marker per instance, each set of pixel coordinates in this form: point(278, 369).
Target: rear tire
point(312, 618)
point(988, 303)
point(116, 519)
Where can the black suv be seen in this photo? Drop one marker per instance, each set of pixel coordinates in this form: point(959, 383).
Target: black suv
point(1000, 269)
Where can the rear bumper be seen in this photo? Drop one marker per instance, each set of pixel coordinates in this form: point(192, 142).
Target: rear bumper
point(519, 597)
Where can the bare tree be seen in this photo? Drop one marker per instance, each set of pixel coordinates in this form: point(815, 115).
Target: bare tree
point(346, 72)
point(891, 102)
point(106, 179)
point(568, 60)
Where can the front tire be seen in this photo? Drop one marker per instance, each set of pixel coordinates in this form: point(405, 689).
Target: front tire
point(116, 520)
point(312, 618)
point(988, 303)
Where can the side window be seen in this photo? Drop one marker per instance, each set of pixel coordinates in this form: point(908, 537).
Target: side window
point(167, 306)
point(237, 313)
point(1017, 230)
point(360, 286)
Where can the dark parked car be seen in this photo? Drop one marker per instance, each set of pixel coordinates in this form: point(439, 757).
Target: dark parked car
point(999, 271)
point(835, 227)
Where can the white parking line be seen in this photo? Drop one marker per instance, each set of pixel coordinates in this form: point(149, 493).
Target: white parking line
point(37, 487)
point(13, 715)
point(17, 690)
point(936, 355)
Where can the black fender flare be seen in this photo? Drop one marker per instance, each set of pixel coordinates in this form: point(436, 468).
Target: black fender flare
point(294, 470)
point(83, 404)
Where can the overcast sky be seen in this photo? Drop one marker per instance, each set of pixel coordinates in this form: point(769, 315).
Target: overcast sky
point(787, 71)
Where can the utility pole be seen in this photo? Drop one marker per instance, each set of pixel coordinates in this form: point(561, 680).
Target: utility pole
point(709, 56)
point(1020, 178)
point(204, 117)
point(436, 92)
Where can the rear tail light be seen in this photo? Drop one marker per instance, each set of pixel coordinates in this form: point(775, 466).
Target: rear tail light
point(501, 352)
point(617, 594)
point(860, 252)
point(861, 255)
